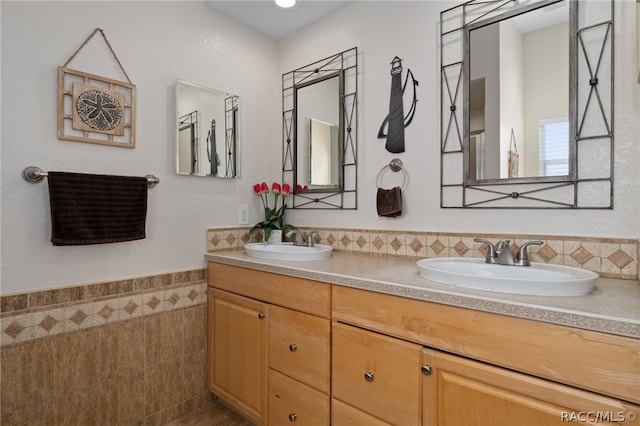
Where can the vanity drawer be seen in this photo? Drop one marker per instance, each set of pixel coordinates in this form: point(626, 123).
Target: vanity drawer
point(345, 415)
point(308, 296)
point(291, 401)
point(299, 346)
point(377, 374)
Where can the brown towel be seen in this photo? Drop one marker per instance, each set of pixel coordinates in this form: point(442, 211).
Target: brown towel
point(389, 202)
point(96, 209)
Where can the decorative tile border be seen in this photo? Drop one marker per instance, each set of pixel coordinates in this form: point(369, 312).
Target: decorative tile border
point(34, 315)
point(610, 257)
point(38, 314)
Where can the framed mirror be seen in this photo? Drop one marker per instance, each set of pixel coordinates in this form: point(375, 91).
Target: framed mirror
point(207, 131)
point(527, 104)
point(320, 134)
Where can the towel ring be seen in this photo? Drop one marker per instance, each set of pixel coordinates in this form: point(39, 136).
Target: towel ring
point(395, 166)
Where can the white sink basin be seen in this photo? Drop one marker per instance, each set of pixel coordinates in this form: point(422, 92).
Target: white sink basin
point(539, 279)
point(287, 251)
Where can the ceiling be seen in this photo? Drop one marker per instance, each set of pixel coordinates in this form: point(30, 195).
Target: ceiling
point(267, 18)
point(542, 18)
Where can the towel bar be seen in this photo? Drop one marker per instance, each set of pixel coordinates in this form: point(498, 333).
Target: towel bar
point(33, 174)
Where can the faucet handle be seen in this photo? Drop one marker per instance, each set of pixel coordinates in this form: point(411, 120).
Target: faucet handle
point(492, 257)
point(310, 242)
point(523, 258)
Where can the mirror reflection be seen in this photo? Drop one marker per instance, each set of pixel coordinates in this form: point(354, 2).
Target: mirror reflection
point(207, 131)
point(519, 95)
point(318, 140)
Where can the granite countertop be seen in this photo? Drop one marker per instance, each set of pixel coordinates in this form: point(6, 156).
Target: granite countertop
point(613, 307)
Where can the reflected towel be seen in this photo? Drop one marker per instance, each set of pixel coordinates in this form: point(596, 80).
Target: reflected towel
point(389, 202)
point(96, 209)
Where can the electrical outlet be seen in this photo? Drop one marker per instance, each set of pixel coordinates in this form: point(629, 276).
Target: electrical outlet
point(243, 214)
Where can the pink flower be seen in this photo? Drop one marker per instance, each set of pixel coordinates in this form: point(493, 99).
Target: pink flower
point(275, 188)
point(274, 217)
point(261, 190)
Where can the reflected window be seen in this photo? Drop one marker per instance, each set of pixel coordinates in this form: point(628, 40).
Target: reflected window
point(554, 147)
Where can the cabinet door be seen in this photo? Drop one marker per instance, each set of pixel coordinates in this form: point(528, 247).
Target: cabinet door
point(238, 330)
point(299, 346)
point(460, 391)
point(376, 374)
point(291, 401)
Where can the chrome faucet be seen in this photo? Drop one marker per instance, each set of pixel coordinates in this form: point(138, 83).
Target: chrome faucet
point(300, 239)
point(504, 253)
point(501, 254)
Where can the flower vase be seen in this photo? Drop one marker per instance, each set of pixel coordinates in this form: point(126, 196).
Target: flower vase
point(275, 237)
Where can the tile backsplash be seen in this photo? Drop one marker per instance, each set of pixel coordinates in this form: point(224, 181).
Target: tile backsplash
point(609, 257)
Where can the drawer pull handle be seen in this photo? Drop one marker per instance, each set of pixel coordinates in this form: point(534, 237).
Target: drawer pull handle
point(261, 315)
point(368, 376)
point(293, 347)
point(293, 417)
point(426, 370)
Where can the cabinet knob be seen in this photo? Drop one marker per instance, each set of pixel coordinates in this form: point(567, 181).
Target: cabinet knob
point(293, 347)
point(261, 315)
point(293, 417)
point(426, 370)
point(368, 376)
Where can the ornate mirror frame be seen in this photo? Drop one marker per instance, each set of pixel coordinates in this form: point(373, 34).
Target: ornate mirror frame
point(589, 184)
point(344, 196)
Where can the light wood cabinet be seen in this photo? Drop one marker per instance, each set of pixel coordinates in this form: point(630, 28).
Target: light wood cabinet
point(461, 391)
point(293, 402)
point(346, 415)
point(269, 345)
point(285, 349)
point(238, 333)
point(602, 363)
point(299, 346)
point(376, 374)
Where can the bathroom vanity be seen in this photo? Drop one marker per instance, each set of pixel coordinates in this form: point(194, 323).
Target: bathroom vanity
point(359, 339)
point(269, 344)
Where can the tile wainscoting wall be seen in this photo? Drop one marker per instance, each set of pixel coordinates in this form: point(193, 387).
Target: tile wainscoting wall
point(609, 257)
point(125, 352)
